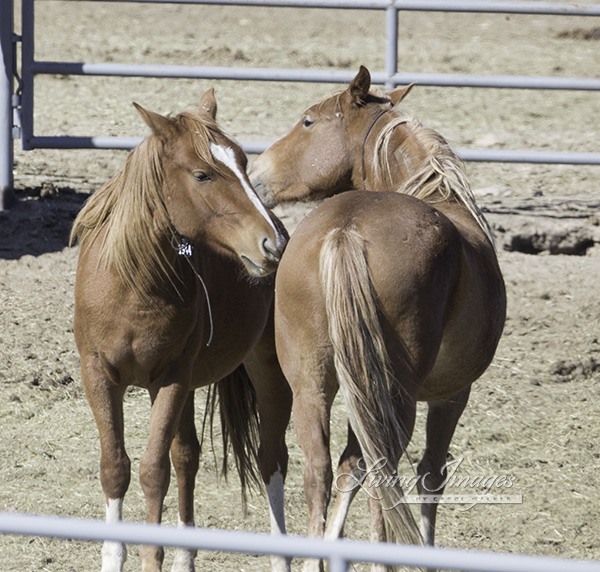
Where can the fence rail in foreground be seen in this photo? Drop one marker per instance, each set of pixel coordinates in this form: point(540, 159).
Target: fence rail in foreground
point(340, 553)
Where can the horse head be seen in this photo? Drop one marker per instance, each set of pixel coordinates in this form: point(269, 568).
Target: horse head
point(206, 192)
point(326, 146)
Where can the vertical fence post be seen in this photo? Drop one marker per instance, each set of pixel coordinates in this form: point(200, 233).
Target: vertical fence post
point(6, 91)
point(27, 53)
point(391, 43)
point(337, 563)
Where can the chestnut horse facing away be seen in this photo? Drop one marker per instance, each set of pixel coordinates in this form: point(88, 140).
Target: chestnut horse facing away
point(174, 291)
point(392, 296)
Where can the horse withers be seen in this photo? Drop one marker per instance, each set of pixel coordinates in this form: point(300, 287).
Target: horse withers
point(174, 291)
point(392, 295)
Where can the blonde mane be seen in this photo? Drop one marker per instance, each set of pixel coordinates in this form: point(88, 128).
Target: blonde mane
point(130, 214)
point(440, 173)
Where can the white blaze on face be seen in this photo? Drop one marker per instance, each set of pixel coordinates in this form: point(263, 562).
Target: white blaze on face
point(226, 156)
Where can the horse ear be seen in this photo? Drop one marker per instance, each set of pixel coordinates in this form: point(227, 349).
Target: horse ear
point(161, 126)
point(208, 103)
point(399, 94)
point(360, 85)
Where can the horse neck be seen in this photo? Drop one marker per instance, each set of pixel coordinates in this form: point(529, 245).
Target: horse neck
point(391, 155)
point(409, 158)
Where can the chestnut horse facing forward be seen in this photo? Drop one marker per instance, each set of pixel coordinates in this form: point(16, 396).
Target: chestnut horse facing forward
point(392, 297)
point(173, 293)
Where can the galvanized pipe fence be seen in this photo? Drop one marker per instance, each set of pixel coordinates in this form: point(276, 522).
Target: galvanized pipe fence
point(339, 553)
point(17, 108)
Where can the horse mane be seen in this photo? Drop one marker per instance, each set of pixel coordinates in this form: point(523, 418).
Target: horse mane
point(130, 213)
point(441, 173)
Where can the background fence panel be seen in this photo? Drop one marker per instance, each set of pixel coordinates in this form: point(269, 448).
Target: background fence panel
point(389, 77)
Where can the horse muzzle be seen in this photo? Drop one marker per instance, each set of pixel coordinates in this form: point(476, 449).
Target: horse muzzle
point(263, 192)
point(270, 255)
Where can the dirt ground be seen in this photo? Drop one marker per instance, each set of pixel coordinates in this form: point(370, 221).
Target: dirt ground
point(533, 416)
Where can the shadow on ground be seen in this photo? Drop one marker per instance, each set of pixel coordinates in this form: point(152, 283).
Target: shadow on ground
point(40, 221)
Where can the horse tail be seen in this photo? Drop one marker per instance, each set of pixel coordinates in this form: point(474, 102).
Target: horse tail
point(236, 400)
point(364, 373)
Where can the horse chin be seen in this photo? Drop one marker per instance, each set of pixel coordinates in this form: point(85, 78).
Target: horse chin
point(256, 270)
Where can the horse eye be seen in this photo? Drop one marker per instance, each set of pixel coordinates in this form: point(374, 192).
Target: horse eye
point(307, 121)
point(201, 177)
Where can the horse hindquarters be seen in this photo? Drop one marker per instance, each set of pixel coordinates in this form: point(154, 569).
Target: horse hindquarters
point(391, 262)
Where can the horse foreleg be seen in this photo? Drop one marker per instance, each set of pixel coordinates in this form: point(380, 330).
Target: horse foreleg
point(155, 468)
point(442, 419)
point(106, 401)
point(274, 402)
point(185, 454)
point(347, 483)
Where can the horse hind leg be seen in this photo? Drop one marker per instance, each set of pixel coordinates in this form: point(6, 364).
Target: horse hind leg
point(106, 402)
point(442, 419)
point(185, 454)
point(379, 530)
point(378, 533)
point(347, 483)
point(311, 420)
point(350, 478)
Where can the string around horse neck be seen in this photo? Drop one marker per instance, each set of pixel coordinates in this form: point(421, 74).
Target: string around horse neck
point(184, 248)
point(364, 173)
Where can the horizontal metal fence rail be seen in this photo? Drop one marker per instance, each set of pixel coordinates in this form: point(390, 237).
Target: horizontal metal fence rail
point(315, 76)
point(478, 6)
point(390, 77)
point(256, 147)
point(340, 553)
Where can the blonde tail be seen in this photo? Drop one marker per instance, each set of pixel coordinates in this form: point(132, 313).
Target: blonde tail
point(364, 372)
